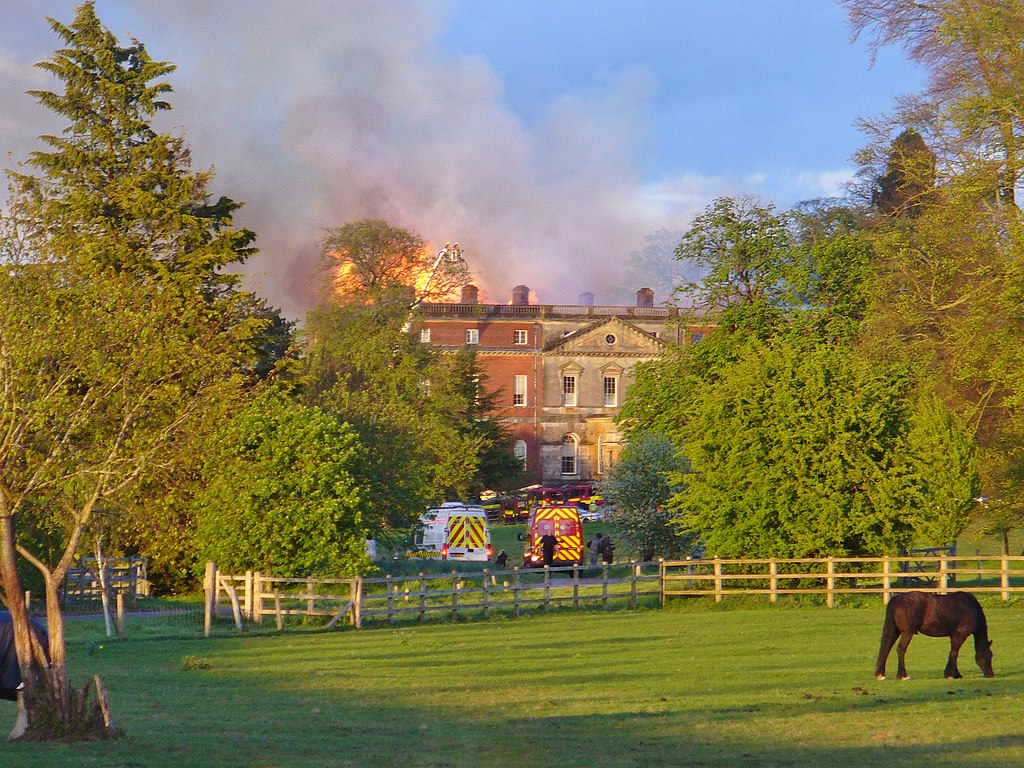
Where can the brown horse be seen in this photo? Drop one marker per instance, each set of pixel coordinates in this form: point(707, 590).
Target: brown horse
point(955, 616)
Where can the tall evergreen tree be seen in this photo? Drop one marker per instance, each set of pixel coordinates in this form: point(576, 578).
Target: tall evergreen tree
point(120, 337)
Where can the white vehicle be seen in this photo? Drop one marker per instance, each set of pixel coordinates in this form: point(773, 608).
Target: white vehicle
point(454, 531)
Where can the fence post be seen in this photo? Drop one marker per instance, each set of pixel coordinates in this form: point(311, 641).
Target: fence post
point(391, 599)
point(830, 584)
point(632, 585)
point(773, 580)
point(277, 609)
point(247, 607)
point(886, 579)
point(357, 603)
point(257, 597)
point(456, 586)
point(310, 592)
point(718, 580)
point(119, 598)
point(515, 589)
point(487, 596)
point(210, 592)
point(423, 597)
point(1004, 577)
point(661, 582)
point(547, 588)
point(576, 586)
point(943, 575)
point(604, 587)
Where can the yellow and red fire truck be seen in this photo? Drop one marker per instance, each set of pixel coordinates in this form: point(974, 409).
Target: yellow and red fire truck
point(560, 521)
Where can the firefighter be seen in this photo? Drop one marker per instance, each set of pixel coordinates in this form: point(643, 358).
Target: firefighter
point(547, 544)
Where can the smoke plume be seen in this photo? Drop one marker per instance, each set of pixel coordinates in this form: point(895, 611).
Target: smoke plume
point(315, 114)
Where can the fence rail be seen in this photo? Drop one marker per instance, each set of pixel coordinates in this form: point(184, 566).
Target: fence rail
point(253, 596)
point(833, 576)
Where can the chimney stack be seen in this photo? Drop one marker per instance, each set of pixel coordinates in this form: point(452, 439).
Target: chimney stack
point(645, 297)
point(587, 299)
point(520, 296)
point(470, 294)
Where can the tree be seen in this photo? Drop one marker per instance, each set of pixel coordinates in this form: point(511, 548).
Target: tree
point(372, 258)
point(426, 419)
point(972, 112)
point(118, 333)
point(947, 292)
point(742, 248)
point(650, 470)
point(808, 450)
point(279, 494)
point(909, 178)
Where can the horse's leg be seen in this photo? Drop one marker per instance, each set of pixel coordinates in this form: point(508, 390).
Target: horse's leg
point(889, 635)
point(901, 651)
point(955, 641)
point(21, 724)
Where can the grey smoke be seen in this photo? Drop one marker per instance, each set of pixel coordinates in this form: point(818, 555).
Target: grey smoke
point(319, 113)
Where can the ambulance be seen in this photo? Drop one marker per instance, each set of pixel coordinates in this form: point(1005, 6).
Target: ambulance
point(564, 524)
point(454, 531)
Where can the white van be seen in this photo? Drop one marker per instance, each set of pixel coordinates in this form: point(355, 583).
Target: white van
point(454, 531)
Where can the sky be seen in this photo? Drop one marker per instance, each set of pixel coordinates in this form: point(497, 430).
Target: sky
point(551, 138)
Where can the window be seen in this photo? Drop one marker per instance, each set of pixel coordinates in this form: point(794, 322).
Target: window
point(518, 390)
point(569, 390)
point(472, 336)
point(519, 450)
point(569, 448)
point(611, 391)
point(424, 335)
point(519, 337)
point(696, 336)
point(610, 339)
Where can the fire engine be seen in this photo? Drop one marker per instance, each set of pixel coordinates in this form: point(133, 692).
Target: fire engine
point(562, 522)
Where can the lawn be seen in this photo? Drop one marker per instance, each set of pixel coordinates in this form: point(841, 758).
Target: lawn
point(733, 685)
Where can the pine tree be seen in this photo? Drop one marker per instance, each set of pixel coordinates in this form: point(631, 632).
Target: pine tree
point(148, 213)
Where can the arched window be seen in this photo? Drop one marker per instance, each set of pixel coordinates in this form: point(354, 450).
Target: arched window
point(570, 449)
point(519, 450)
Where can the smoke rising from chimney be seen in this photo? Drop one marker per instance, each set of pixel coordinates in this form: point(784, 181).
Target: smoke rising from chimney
point(316, 114)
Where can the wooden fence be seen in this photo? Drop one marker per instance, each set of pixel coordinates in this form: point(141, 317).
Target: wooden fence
point(123, 576)
point(254, 597)
point(833, 576)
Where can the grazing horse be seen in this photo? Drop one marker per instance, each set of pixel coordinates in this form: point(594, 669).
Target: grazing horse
point(10, 672)
point(955, 616)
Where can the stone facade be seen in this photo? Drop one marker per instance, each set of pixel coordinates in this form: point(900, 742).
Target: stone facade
point(561, 371)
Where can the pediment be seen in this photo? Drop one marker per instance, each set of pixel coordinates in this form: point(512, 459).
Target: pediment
point(610, 337)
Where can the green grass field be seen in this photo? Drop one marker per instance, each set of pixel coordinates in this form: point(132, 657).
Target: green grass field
point(735, 685)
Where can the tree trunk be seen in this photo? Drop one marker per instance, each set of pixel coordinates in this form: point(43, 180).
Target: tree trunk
point(14, 599)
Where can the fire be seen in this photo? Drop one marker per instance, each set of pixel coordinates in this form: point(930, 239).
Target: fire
point(423, 273)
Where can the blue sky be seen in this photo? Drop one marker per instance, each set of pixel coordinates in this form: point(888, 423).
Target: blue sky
point(548, 137)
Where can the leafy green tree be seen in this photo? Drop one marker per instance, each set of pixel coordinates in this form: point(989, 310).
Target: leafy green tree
point(650, 470)
point(743, 250)
point(426, 420)
point(947, 289)
point(371, 257)
point(809, 450)
point(279, 493)
point(118, 330)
